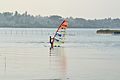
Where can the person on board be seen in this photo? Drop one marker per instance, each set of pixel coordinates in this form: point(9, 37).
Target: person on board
point(51, 42)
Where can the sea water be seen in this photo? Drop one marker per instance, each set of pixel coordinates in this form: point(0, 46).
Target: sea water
point(25, 54)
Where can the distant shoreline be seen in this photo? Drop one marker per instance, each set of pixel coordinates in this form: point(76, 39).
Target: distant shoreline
point(25, 20)
point(107, 31)
point(52, 27)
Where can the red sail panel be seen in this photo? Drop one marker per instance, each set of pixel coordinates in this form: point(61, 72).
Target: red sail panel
point(64, 25)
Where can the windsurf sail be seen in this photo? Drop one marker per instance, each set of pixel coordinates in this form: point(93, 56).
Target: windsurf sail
point(59, 36)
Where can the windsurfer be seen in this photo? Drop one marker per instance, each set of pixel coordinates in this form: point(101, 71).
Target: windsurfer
point(51, 42)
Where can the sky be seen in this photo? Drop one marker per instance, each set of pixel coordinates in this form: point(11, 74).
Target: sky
point(88, 9)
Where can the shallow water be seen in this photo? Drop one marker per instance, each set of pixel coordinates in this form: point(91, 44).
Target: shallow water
point(25, 55)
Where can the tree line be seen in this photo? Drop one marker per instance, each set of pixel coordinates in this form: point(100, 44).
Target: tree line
point(25, 20)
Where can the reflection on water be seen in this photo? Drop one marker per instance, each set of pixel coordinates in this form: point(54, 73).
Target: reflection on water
point(33, 64)
point(58, 61)
point(5, 64)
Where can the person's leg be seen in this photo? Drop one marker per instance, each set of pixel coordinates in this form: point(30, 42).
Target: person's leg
point(51, 44)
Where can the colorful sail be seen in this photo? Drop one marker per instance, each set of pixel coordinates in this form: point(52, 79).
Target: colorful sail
point(59, 36)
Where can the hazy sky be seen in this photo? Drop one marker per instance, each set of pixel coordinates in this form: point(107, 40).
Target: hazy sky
point(66, 8)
